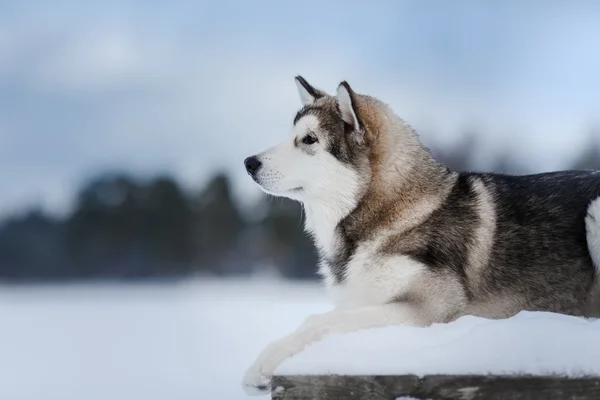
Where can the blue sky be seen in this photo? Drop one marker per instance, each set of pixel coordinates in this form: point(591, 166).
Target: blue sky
point(194, 87)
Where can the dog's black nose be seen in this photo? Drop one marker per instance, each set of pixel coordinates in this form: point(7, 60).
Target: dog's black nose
point(252, 164)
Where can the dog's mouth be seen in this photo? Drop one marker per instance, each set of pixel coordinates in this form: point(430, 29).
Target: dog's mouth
point(287, 191)
point(282, 192)
point(267, 186)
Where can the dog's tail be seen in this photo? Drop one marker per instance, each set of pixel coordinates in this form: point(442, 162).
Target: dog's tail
point(592, 227)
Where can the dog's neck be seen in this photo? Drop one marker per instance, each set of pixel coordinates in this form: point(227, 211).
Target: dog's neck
point(407, 182)
point(322, 220)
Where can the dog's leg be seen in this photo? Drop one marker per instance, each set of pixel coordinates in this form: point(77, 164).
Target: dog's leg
point(314, 328)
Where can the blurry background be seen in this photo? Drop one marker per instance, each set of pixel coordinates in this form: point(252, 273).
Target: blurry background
point(137, 259)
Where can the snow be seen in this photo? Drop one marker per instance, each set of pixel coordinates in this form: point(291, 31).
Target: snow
point(192, 340)
point(534, 343)
point(195, 340)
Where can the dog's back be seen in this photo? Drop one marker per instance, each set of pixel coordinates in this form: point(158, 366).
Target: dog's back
point(541, 237)
point(518, 242)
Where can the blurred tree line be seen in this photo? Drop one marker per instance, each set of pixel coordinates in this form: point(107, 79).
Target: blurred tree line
point(126, 228)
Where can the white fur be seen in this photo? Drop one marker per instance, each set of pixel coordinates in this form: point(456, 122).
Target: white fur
point(321, 220)
point(373, 279)
point(284, 166)
point(345, 103)
point(316, 327)
point(329, 188)
point(363, 300)
point(484, 234)
point(592, 225)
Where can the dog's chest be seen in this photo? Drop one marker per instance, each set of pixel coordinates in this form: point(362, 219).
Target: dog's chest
point(358, 272)
point(371, 277)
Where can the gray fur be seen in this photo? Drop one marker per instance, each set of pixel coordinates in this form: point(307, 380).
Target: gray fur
point(539, 259)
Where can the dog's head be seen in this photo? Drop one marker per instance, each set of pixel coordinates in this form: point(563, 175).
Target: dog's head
point(327, 156)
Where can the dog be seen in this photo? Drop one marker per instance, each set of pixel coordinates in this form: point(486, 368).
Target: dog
point(402, 239)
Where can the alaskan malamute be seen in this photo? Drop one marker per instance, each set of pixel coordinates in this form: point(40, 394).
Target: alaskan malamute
point(404, 240)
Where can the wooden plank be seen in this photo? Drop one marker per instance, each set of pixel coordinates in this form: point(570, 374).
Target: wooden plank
point(434, 387)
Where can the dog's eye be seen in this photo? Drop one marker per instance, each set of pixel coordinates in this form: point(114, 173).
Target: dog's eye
point(309, 139)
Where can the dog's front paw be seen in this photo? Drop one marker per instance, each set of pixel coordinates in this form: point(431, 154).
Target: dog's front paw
point(256, 382)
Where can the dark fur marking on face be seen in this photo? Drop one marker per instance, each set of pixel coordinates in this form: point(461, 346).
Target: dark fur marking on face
point(338, 140)
point(307, 110)
point(303, 111)
point(342, 147)
point(336, 150)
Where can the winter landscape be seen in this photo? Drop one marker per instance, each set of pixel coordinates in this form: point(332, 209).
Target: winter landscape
point(189, 340)
point(195, 339)
point(137, 258)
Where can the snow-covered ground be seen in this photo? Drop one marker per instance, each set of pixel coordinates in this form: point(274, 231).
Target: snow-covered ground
point(194, 340)
point(535, 343)
point(142, 341)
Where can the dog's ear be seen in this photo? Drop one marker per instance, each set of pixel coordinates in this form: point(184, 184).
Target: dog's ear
point(346, 99)
point(308, 94)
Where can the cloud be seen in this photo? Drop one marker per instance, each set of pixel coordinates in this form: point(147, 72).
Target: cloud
point(97, 61)
point(191, 90)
